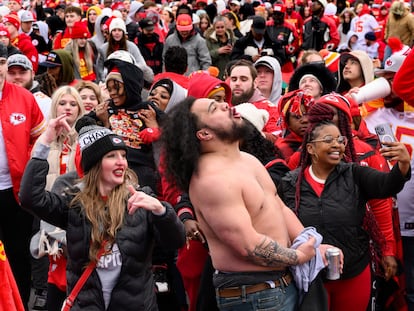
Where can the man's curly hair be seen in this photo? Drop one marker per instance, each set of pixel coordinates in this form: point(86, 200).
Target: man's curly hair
point(181, 146)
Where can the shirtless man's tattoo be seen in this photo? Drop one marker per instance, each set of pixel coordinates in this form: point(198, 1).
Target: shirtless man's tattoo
point(270, 254)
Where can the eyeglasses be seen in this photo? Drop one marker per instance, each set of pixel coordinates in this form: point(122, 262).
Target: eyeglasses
point(329, 139)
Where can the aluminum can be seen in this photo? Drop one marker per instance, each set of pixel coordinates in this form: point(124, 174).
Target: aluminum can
point(334, 263)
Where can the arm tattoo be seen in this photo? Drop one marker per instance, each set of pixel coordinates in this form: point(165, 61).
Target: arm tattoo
point(271, 254)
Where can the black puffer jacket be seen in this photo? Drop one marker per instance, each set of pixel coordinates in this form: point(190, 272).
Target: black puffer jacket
point(338, 214)
point(134, 289)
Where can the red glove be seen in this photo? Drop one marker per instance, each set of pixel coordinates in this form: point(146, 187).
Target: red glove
point(150, 134)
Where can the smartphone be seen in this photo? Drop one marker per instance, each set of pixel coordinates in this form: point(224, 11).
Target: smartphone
point(384, 133)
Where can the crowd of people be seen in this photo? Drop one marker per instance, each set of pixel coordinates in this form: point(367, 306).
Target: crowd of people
point(206, 155)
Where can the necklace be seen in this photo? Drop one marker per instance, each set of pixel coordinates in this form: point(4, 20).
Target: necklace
point(314, 177)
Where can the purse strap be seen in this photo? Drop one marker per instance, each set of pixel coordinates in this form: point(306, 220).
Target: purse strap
point(79, 284)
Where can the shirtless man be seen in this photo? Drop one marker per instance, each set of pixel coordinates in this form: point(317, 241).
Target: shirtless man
point(247, 227)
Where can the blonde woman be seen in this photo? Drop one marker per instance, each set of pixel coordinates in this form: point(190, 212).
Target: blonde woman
point(85, 54)
point(90, 94)
point(66, 104)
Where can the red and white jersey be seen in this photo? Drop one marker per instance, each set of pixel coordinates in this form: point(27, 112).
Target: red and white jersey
point(363, 24)
point(402, 124)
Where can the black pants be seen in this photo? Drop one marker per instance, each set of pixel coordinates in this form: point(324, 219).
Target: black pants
point(55, 298)
point(15, 232)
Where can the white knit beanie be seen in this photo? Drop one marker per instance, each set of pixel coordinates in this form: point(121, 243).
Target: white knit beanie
point(117, 23)
point(258, 117)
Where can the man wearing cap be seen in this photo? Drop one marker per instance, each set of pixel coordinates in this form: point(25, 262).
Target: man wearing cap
point(198, 56)
point(257, 43)
point(20, 40)
point(27, 20)
point(320, 32)
point(234, 6)
point(20, 72)
point(150, 46)
point(59, 64)
point(22, 122)
point(372, 47)
point(398, 111)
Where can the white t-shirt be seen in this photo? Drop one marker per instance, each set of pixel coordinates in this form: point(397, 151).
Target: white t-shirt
point(108, 269)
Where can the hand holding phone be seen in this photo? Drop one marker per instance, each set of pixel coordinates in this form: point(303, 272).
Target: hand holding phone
point(392, 149)
point(385, 134)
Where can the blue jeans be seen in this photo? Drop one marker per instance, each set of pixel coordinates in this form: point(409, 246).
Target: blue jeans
point(282, 298)
point(408, 249)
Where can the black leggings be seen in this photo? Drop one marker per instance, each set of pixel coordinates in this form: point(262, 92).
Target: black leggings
point(55, 298)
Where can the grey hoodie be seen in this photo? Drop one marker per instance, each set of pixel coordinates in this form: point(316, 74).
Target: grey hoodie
point(277, 77)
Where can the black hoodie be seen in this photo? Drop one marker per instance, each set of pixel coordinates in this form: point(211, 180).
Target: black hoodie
point(125, 121)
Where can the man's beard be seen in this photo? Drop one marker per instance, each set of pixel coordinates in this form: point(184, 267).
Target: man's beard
point(243, 98)
point(392, 101)
point(235, 133)
point(28, 85)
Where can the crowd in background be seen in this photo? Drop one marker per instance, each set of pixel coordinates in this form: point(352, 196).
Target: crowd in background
point(125, 65)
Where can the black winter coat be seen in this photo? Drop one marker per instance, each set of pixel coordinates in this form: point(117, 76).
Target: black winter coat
point(338, 214)
point(244, 47)
point(134, 289)
point(151, 49)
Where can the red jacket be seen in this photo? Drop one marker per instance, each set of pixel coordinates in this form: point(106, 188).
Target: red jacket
point(403, 84)
point(9, 293)
point(61, 39)
point(22, 123)
point(382, 208)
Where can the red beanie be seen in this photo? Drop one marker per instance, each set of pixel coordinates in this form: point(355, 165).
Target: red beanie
point(13, 19)
point(4, 31)
point(80, 31)
point(395, 44)
point(338, 101)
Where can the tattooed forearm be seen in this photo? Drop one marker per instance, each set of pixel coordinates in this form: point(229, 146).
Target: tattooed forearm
point(270, 254)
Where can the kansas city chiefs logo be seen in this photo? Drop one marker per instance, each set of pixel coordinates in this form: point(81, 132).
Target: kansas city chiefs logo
point(17, 118)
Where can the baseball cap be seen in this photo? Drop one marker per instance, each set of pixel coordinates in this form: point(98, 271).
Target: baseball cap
point(147, 24)
point(27, 17)
point(392, 64)
point(279, 7)
point(19, 60)
point(263, 63)
point(259, 24)
point(324, 3)
point(236, 2)
point(52, 60)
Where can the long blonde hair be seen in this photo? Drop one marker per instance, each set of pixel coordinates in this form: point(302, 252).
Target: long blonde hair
point(106, 216)
point(89, 55)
